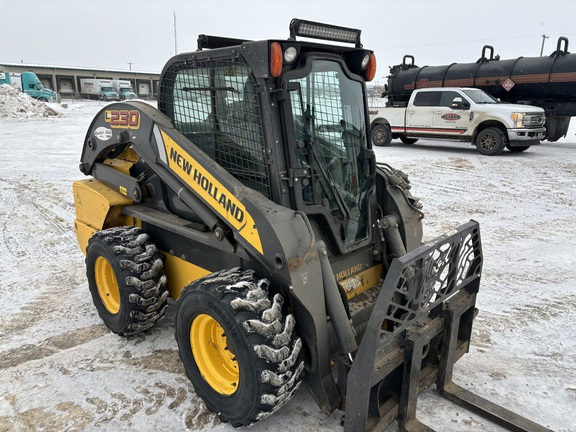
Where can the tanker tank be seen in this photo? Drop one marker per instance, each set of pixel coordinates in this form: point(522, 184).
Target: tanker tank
point(548, 82)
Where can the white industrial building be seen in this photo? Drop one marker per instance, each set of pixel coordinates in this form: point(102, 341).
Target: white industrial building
point(66, 80)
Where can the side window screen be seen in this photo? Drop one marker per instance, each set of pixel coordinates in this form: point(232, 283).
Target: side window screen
point(426, 99)
point(216, 106)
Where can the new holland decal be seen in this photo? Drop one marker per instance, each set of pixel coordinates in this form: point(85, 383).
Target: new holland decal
point(211, 191)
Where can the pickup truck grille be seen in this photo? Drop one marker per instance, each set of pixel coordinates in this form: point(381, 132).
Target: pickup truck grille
point(534, 120)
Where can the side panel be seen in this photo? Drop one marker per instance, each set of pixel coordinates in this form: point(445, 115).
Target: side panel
point(15, 80)
point(89, 86)
point(420, 119)
point(392, 116)
point(97, 207)
point(180, 273)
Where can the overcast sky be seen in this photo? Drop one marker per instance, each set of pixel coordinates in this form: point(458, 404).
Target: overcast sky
point(139, 34)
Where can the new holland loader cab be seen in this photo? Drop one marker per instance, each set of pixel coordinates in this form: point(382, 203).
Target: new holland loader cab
point(252, 197)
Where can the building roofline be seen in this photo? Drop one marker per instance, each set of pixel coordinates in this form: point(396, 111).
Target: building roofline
point(51, 67)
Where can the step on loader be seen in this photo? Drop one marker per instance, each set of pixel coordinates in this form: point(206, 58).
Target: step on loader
point(253, 199)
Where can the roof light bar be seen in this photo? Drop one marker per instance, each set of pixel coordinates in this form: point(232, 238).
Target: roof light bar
point(316, 30)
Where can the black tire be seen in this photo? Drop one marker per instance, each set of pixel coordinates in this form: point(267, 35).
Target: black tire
point(126, 279)
point(406, 140)
point(518, 149)
point(491, 141)
point(381, 135)
point(43, 99)
point(238, 348)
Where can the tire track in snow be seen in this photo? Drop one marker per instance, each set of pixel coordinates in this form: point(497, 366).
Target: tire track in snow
point(8, 199)
point(50, 346)
point(38, 219)
point(35, 231)
point(524, 315)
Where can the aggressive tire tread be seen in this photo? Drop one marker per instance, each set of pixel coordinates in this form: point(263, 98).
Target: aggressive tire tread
point(259, 332)
point(138, 268)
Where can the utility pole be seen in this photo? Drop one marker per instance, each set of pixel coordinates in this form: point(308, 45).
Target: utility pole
point(130, 65)
point(175, 37)
point(544, 37)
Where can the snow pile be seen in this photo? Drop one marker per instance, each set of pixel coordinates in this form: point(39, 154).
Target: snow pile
point(16, 104)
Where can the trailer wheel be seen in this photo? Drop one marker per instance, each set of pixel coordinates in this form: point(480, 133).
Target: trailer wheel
point(517, 149)
point(381, 135)
point(491, 141)
point(237, 345)
point(406, 140)
point(126, 279)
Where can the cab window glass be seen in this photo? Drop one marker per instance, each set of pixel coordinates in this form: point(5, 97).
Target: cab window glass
point(447, 98)
point(426, 99)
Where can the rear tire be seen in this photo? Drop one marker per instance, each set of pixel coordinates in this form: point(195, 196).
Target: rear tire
point(491, 141)
point(408, 140)
point(126, 279)
point(238, 348)
point(381, 135)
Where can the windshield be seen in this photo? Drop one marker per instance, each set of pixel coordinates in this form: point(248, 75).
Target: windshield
point(479, 96)
point(107, 89)
point(330, 128)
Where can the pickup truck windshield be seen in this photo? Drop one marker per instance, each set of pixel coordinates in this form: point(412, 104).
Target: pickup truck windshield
point(330, 128)
point(480, 97)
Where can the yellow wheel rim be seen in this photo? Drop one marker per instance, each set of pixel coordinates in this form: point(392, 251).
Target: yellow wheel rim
point(216, 363)
point(107, 285)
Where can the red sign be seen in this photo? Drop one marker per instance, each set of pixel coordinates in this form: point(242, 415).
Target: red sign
point(508, 84)
point(450, 117)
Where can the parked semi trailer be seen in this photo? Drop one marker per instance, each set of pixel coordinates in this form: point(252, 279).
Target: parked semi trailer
point(29, 83)
point(548, 82)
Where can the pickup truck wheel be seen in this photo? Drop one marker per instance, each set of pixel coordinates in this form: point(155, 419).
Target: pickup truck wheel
point(381, 135)
point(43, 99)
point(408, 140)
point(517, 149)
point(238, 345)
point(491, 141)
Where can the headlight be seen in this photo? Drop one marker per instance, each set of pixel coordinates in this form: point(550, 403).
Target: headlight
point(290, 54)
point(365, 61)
point(518, 119)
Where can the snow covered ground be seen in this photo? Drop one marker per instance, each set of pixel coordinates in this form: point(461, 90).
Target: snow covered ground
point(61, 370)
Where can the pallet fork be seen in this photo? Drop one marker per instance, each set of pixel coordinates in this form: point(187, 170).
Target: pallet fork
point(421, 325)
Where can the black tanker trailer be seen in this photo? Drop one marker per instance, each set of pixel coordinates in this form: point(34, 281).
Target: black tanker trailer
point(547, 82)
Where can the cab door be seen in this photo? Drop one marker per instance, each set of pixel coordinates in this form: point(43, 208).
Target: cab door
point(452, 114)
point(420, 114)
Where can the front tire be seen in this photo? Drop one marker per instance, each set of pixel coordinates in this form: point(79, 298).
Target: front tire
point(381, 135)
point(126, 279)
point(518, 149)
point(491, 141)
point(238, 348)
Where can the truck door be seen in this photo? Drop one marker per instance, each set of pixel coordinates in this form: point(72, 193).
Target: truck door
point(451, 118)
point(420, 114)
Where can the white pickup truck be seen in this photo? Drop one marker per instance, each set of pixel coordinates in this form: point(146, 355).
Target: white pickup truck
point(459, 114)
